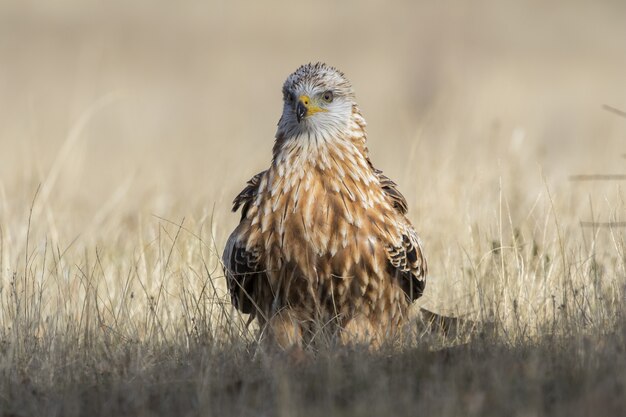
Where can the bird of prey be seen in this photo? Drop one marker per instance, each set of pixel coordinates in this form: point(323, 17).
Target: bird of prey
point(323, 241)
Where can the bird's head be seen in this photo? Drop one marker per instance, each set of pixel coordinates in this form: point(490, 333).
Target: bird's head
point(318, 99)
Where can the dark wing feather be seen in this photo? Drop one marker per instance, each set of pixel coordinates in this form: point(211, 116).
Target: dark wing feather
point(408, 265)
point(406, 260)
point(247, 195)
point(242, 265)
point(391, 190)
point(243, 274)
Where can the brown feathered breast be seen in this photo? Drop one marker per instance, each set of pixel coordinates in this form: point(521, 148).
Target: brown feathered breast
point(323, 238)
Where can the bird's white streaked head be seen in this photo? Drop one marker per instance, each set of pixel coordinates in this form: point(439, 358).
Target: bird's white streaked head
point(318, 99)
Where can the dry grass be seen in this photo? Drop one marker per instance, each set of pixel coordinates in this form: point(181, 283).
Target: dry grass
point(125, 131)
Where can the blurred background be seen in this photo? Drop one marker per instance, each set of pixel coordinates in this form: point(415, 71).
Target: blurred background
point(120, 111)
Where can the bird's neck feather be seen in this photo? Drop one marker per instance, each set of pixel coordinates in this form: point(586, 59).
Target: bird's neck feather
point(312, 148)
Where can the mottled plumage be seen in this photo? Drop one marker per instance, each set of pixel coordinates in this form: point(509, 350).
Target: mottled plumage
point(323, 237)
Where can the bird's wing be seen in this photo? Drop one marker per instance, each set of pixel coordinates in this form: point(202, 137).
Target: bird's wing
point(391, 191)
point(248, 194)
point(407, 263)
point(405, 256)
point(242, 258)
point(243, 272)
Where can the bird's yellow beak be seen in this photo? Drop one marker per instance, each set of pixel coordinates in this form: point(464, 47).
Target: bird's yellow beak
point(305, 108)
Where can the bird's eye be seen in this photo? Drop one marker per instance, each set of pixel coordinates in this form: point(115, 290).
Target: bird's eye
point(328, 96)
